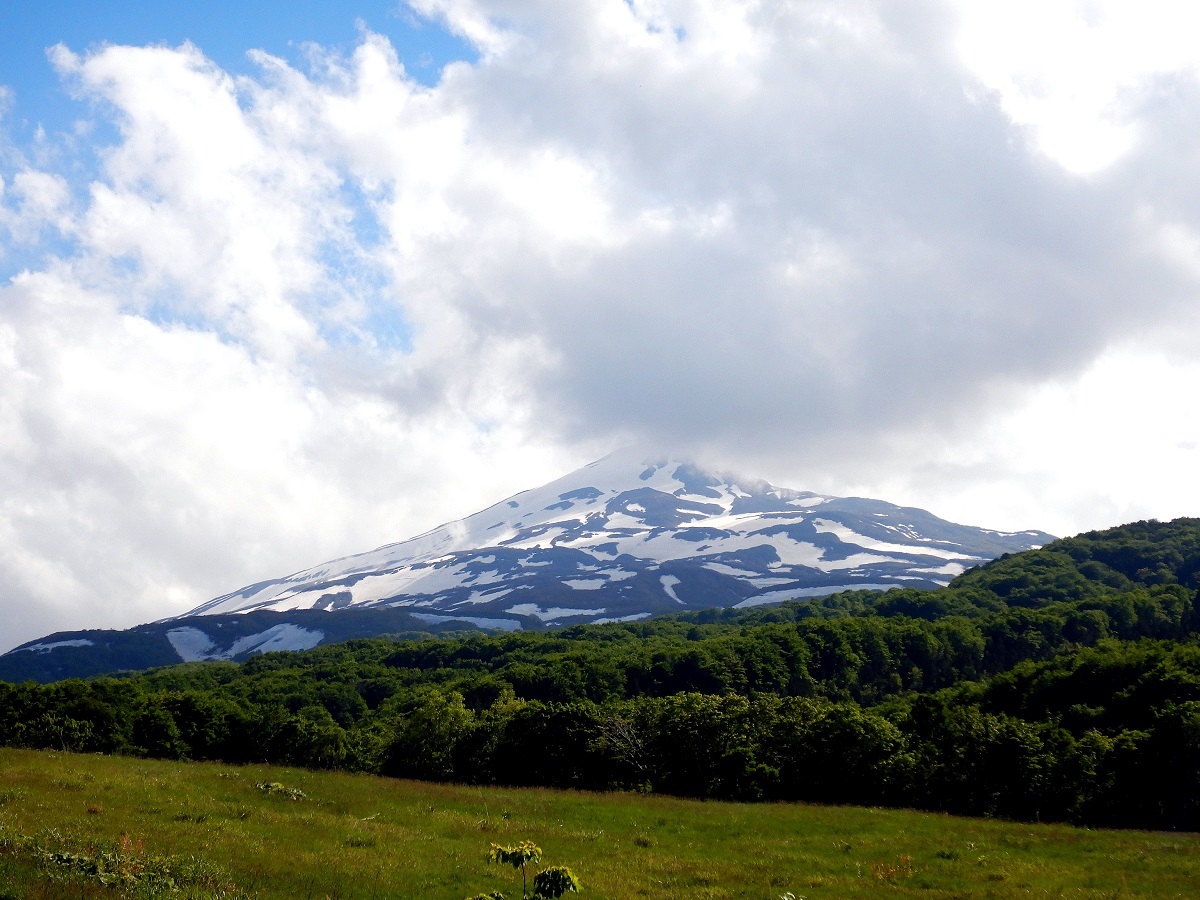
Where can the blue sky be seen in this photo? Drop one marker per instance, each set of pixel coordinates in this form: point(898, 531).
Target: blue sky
point(225, 30)
point(944, 254)
point(40, 102)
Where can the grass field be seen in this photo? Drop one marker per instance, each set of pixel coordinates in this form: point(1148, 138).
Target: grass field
point(159, 829)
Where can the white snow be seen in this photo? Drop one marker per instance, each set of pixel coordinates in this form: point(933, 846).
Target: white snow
point(481, 621)
point(850, 536)
point(285, 636)
point(636, 617)
point(729, 570)
point(616, 574)
point(795, 553)
point(807, 502)
point(668, 583)
point(194, 645)
point(553, 612)
point(411, 580)
point(586, 584)
point(563, 612)
point(724, 521)
point(798, 593)
point(45, 647)
point(191, 644)
point(621, 521)
point(857, 561)
point(486, 596)
point(489, 577)
point(948, 569)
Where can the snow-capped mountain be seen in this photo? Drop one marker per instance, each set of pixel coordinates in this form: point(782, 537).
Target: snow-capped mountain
point(627, 537)
point(620, 539)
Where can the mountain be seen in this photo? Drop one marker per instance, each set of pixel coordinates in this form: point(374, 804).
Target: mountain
point(621, 539)
point(625, 538)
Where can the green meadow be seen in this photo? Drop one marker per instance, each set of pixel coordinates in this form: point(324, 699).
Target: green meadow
point(103, 826)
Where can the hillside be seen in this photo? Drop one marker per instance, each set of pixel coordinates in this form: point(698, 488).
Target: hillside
point(83, 654)
point(68, 820)
point(1056, 684)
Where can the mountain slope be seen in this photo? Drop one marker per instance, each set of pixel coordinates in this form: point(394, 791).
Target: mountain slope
point(627, 537)
point(82, 654)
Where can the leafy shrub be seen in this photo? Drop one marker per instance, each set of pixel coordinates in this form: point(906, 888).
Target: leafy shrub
point(554, 881)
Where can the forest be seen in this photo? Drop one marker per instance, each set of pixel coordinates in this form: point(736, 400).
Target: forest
point(1059, 684)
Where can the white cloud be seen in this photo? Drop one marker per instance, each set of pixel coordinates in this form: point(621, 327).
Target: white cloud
point(1075, 71)
point(146, 466)
point(32, 204)
point(1117, 443)
point(307, 312)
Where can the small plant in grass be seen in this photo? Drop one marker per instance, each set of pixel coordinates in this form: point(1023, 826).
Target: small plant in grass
point(124, 866)
point(882, 871)
point(550, 882)
point(518, 856)
point(279, 790)
point(10, 796)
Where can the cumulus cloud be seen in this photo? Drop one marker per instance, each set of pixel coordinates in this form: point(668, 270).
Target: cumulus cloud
point(303, 312)
point(1075, 73)
point(821, 226)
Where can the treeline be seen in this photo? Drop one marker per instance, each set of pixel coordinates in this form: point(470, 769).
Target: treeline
point(1106, 735)
point(1061, 684)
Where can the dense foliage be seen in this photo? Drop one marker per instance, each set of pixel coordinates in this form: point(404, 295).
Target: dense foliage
point(1061, 683)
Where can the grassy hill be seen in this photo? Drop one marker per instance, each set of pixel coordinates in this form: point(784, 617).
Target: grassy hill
point(205, 830)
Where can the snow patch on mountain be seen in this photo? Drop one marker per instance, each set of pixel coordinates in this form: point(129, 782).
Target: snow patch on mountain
point(480, 621)
point(779, 596)
point(849, 536)
point(553, 613)
point(47, 646)
point(194, 645)
point(279, 637)
point(668, 583)
point(191, 644)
